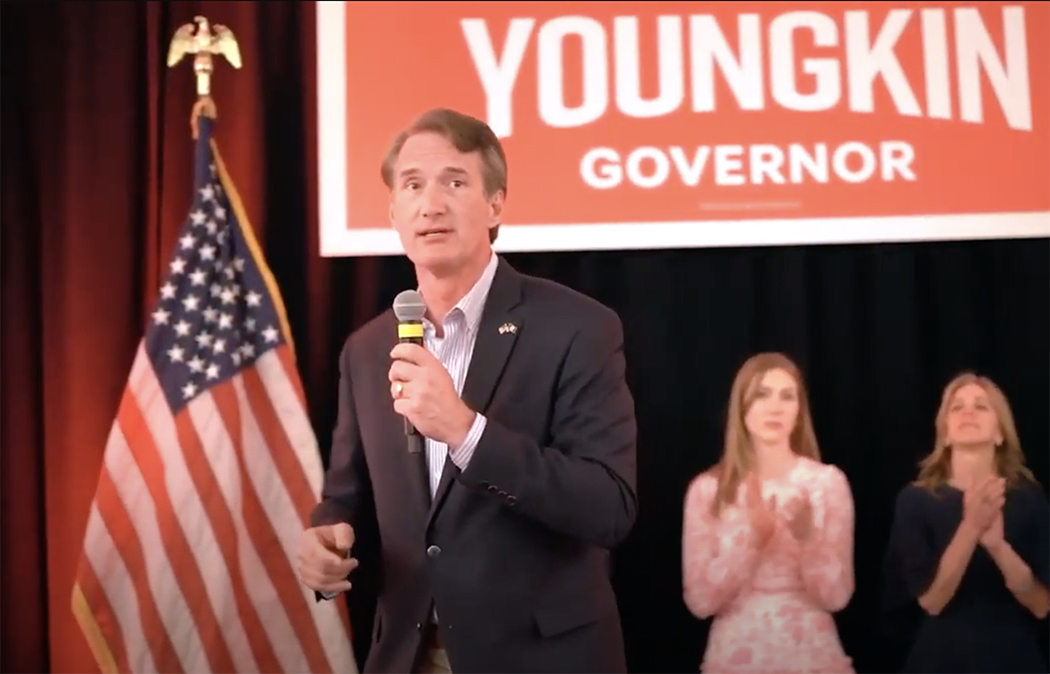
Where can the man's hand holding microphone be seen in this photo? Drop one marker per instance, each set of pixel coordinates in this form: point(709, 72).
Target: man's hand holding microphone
point(324, 558)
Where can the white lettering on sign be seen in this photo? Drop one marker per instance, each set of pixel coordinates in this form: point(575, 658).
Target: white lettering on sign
point(604, 168)
point(870, 57)
point(550, 40)
point(827, 90)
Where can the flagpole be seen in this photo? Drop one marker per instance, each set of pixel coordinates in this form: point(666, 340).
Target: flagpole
point(189, 578)
point(204, 41)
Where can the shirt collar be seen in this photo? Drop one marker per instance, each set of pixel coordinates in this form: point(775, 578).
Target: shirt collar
point(472, 304)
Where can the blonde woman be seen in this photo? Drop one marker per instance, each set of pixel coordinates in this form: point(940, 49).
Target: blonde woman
point(969, 542)
point(767, 541)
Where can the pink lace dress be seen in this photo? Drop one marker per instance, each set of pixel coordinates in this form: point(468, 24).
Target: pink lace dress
point(773, 609)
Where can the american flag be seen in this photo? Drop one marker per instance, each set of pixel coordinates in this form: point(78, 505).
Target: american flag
point(209, 473)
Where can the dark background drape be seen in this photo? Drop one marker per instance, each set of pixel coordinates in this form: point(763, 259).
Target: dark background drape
point(96, 177)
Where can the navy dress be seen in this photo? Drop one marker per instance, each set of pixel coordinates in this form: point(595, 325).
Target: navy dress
point(983, 628)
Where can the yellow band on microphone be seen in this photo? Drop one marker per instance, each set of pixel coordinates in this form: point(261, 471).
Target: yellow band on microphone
point(410, 331)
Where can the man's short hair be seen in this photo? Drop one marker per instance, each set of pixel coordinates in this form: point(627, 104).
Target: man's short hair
point(467, 135)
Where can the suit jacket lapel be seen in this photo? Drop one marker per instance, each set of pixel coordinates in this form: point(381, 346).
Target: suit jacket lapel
point(448, 473)
point(498, 331)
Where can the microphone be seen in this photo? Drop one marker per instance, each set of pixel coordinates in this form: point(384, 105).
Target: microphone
point(409, 309)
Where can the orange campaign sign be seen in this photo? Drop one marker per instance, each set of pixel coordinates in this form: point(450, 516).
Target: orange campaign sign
point(681, 124)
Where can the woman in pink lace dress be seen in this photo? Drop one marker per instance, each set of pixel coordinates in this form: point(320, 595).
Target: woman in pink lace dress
point(767, 541)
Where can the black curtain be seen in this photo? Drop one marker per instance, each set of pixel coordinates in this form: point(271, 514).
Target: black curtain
point(878, 329)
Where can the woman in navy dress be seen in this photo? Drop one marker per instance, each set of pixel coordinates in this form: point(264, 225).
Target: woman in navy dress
point(969, 543)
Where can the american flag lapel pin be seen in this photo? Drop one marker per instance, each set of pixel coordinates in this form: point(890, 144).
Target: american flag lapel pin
point(508, 328)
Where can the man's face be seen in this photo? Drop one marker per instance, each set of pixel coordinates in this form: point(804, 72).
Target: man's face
point(438, 204)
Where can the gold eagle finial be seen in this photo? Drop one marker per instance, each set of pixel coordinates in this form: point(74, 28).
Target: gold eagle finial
point(206, 42)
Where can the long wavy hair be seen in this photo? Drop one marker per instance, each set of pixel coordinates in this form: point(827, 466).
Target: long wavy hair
point(935, 468)
point(738, 455)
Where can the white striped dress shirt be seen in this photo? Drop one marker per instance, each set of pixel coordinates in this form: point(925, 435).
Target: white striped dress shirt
point(454, 349)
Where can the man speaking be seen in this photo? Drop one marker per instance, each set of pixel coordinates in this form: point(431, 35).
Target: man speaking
point(495, 532)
